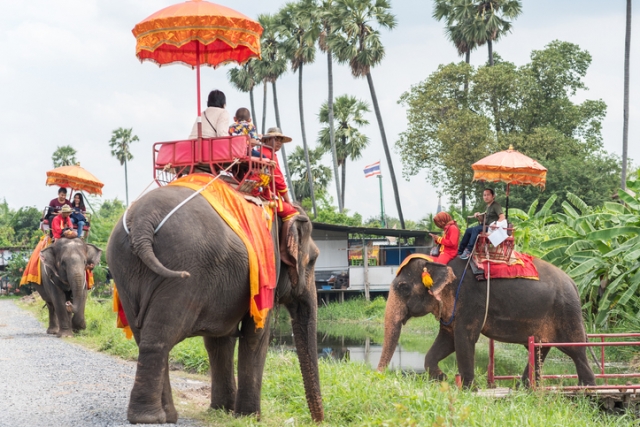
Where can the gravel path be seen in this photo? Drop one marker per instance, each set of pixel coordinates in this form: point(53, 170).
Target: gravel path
point(47, 381)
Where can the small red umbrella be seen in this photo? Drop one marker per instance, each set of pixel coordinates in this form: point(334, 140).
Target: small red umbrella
point(197, 32)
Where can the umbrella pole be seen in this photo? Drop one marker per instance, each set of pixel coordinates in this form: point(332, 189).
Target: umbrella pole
point(506, 214)
point(198, 88)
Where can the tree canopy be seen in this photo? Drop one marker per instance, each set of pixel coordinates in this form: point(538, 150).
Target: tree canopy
point(531, 106)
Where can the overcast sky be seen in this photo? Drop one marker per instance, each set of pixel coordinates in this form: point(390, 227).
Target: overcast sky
point(69, 76)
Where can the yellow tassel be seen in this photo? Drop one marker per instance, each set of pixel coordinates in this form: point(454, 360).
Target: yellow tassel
point(427, 281)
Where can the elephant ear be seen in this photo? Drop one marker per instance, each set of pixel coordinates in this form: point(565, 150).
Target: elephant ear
point(93, 254)
point(296, 234)
point(48, 259)
point(441, 275)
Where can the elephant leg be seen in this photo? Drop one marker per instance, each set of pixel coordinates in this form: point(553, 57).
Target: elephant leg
point(441, 348)
point(167, 398)
point(579, 356)
point(465, 347)
point(252, 353)
point(223, 382)
point(63, 317)
point(540, 356)
point(53, 320)
point(145, 404)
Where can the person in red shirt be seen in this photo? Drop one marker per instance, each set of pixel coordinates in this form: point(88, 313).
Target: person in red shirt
point(449, 240)
point(61, 224)
point(272, 142)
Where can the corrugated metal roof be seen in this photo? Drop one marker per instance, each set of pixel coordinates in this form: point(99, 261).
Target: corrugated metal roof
point(370, 231)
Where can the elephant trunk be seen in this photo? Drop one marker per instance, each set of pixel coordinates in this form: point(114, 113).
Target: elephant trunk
point(77, 282)
point(303, 322)
point(394, 315)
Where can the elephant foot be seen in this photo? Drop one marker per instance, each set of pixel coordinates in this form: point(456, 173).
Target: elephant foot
point(437, 375)
point(157, 416)
point(52, 331)
point(171, 415)
point(62, 333)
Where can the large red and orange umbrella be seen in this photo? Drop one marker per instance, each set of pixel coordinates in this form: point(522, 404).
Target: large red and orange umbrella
point(510, 167)
point(75, 177)
point(195, 33)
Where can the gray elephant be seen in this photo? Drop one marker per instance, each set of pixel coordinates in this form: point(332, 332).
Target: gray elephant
point(63, 271)
point(192, 279)
point(548, 309)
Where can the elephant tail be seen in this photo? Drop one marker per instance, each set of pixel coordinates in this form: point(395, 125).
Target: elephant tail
point(142, 245)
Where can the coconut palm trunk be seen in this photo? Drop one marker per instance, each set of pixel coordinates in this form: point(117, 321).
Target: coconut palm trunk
point(292, 193)
point(264, 107)
point(376, 107)
point(332, 134)
point(253, 106)
point(344, 179)
point(625, 125)
point(304, 142)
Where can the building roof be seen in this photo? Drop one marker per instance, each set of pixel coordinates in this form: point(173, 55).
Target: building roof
point(370, 231)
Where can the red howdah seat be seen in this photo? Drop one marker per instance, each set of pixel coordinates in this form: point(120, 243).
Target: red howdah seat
point(224, 149)
point(227, 156)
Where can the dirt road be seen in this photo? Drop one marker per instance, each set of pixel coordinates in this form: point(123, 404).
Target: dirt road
point(48, 381)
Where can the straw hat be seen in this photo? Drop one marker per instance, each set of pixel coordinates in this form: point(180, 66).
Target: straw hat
point(66, 209)
point(276, 132)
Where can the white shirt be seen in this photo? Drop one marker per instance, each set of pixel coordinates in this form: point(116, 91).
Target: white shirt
point(215, 122)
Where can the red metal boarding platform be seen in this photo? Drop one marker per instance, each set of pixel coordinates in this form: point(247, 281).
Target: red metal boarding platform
point(610, 393)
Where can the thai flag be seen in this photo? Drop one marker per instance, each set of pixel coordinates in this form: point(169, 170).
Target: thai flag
point(372, 169)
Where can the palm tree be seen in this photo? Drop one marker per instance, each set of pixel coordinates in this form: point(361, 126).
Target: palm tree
point(321, 174)
point(356, 42)
point(301, 28)
point(458, 16)
point(625, 125)
point(326, 30)
point(491, 21)
point(349, 114)
point(64, 156)
point(120, 143)
point(269, 70)
point(244, 79)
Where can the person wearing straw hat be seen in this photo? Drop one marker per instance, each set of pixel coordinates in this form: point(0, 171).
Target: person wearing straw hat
point(61, 225)
point(272, 142)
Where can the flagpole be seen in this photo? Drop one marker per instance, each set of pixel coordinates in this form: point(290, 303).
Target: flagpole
point(382, 223)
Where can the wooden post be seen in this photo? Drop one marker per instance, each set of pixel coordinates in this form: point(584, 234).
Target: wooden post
point(365, 261)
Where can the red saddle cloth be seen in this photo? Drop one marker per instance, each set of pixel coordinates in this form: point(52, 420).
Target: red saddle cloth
point(520, 266)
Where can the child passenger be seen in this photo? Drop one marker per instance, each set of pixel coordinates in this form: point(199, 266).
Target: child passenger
point(242, 125)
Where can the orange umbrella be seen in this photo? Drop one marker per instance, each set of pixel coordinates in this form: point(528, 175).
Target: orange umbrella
point(197, 32)
point(76, 178)
point(510, 167)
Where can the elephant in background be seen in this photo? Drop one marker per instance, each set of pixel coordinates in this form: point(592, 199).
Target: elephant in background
point(63, 271)
point(548, 309)
point(192, 279)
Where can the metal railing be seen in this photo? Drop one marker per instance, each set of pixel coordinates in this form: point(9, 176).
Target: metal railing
point(532, 345)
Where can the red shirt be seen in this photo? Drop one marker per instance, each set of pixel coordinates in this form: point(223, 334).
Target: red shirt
point(58, 223)
point(449, 242)
point(278, 177)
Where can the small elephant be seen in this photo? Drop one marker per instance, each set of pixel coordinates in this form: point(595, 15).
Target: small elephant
point(64, 286)
point(548, 309)
point(191, 278)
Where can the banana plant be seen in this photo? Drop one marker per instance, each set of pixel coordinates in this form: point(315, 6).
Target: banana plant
point(600, 250)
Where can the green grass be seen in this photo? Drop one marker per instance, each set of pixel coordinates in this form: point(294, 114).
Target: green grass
point(353, 394)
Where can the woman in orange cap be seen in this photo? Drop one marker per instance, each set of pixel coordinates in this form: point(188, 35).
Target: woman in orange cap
point(449, 240)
